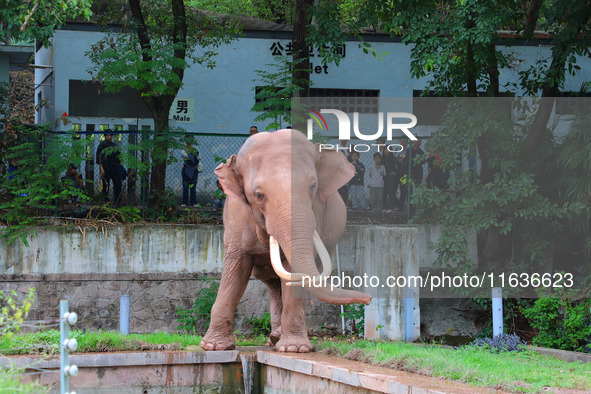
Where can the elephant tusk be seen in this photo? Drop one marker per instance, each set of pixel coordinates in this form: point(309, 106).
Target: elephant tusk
point(323, 254)
point(276, 260)
point(297, 279)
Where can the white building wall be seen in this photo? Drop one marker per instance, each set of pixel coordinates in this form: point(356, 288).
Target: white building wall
point(224, 95)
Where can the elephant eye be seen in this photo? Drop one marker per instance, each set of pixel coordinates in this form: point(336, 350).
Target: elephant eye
point(259, 196)
point(313, 187)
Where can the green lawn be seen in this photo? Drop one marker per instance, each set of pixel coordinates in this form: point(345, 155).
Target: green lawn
point(47, 342)
point(522, 372)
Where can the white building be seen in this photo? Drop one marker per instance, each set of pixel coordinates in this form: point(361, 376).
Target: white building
point(222, 97)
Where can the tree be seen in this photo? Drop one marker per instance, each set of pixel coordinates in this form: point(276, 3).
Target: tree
point(515, 203)
point(38, 19)
point(151, 53)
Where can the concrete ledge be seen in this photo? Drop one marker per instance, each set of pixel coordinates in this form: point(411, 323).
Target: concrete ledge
point(562, 354)
point(359, 375)
point(161, 371)
point(126, 359)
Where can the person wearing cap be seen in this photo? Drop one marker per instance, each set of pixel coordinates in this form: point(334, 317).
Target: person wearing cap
point(109, 164)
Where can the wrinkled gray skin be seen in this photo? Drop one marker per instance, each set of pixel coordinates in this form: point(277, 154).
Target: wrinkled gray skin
point(278, 184)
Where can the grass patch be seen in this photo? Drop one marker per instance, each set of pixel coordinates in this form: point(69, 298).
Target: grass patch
point(47, 342)
point(520, 372)
point(258, 340)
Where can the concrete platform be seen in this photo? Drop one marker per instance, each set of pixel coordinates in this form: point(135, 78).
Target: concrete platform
point(186, 371)
point(315, 373)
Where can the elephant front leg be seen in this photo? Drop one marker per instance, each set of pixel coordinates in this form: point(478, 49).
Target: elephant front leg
point(235, 276)
point(294, 332)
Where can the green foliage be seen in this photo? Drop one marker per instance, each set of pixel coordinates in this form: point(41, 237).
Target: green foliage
point(135, 156)
point(261, 325)
point(120, 60)
point(38, 185)
point(574, 155)
point(10, 383)
point(200, 313)
point(561, 323)
point(514, 205)
point(513, 318)
point(277, 89)
point(151, 55)
point(115, 214)
point(278, 11)
point(355, 313)
point(28, 20)
point(163, 205)
point(13, 315)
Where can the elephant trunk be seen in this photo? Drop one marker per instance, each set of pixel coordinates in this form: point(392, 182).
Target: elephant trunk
point(299, 244)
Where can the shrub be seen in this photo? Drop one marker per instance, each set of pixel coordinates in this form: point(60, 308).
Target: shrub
point(500, 343)
point(201, 309)
point(561, 323)
point(11, 314)
point(356, 314)
point(261, 325)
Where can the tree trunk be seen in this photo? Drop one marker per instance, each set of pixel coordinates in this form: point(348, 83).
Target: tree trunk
point(159, 152)
point(301, 54)
point(160, 105)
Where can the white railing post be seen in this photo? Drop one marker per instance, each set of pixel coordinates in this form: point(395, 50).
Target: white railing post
point(67, 345)
point(124, 314)
point(497, 311)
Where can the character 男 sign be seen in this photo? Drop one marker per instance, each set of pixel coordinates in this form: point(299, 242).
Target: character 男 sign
point(182, 110)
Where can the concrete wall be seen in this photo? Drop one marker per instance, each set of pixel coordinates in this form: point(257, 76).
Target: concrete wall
point(159, 267)
point(167, 249)
point(4, 68)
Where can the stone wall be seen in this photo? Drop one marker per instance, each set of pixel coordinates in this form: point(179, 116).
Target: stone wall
point(159, 267)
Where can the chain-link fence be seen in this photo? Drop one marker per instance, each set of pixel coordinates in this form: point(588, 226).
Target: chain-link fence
point(136, 153)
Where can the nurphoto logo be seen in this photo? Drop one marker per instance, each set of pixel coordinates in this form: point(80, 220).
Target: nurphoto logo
point(344, 123)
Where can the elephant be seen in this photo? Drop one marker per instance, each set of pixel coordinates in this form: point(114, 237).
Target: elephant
point(282, 206)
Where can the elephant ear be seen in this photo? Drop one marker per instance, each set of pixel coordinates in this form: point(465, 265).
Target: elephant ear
point(333, 171)
point(230, 180)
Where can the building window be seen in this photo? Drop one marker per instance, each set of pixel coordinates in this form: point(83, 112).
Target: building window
point(364, 101)
point(90, 100)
